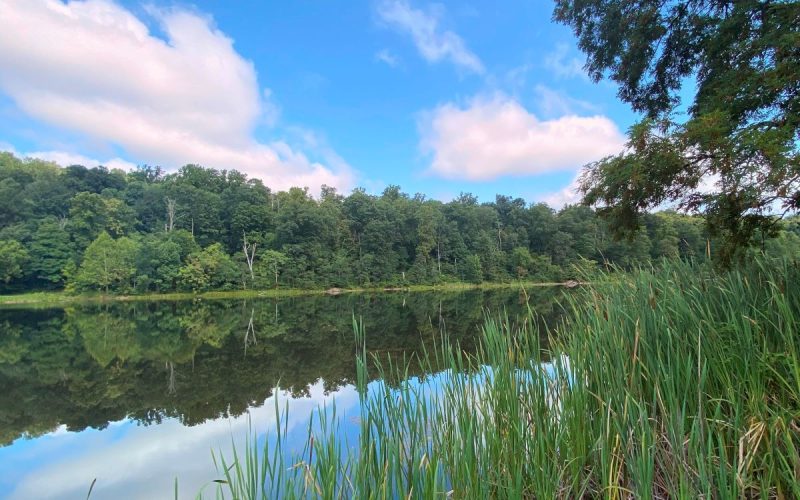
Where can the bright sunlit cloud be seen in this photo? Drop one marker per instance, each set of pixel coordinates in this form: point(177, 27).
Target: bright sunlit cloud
point(95, 68)
point(568, 195)
point(496, 136)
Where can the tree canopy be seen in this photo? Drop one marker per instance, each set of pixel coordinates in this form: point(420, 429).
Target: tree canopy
point(732, 152)
point(146, 231)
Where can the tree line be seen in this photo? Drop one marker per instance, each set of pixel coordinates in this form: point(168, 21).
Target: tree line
point(146, 231)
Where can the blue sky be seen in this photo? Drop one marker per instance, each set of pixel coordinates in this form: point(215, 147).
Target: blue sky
point(436, 97)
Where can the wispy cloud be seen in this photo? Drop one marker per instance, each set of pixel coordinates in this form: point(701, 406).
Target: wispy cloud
point(552, 103)
point(95, 68)
point(434, 43)
point(385, 56)
point(496, 136)
point(4, 146)
point(563, 65)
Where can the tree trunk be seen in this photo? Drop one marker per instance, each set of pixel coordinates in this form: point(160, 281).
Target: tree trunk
point(249, 254)
point(170, 215)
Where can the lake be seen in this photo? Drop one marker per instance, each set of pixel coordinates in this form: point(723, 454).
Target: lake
point(138, 394)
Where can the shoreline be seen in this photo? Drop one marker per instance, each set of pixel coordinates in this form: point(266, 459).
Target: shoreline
point(61, 298)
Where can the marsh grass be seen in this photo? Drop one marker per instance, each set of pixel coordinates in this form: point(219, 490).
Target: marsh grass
point(675, 382)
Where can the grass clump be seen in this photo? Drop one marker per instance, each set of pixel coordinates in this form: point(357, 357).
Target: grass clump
point(675, 382)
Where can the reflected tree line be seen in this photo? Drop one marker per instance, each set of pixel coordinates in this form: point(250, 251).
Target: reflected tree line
point(88, 366)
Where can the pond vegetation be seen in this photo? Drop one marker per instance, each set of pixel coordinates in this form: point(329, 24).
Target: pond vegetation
point(673, 382)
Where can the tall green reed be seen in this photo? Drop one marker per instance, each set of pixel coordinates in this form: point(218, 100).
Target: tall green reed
point(668, 382)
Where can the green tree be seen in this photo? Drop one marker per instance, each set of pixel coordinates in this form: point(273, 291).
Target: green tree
point(108, 265)
point(13, 258)
point(157, 263)
point(269, 266)
point(543, 270)
point(665, 235)
point(90, 214)
point(196, 193)
point(736, 157)
point(542, 225)
point(521, 262)
point(472, 269)
point(209, 269)
point(12, 201)
point(51, 251)
point(427, 264)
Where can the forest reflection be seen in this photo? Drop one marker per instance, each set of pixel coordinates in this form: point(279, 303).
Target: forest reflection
point(200, 360)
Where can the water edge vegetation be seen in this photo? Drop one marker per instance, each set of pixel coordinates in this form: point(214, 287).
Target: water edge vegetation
point(680, 381)
point(61, 298)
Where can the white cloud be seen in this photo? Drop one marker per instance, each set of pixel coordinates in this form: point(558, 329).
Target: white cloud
point(432, 42)
point(319, 143)
point(554, 103)
point(517, 78)
point(8, 148)
point(95, 68)
point(66, 159)
point(566, 196)
point(270, 112)
point(564, 66)
point(387, 57)
point(496, 136)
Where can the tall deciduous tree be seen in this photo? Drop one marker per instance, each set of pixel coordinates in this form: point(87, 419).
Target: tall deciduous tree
point(209, 269)
point(13, 258)
point(272, 261)
point(157, 262)
point(51, 251)
point(472, 269)
point(108, 264)
point(735, 158)
point(90, 214)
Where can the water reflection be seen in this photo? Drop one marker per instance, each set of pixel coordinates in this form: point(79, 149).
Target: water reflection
point(134, 461)
point(137, 394)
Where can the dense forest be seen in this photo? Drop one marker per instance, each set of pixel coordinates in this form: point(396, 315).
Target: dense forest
point(145, 231)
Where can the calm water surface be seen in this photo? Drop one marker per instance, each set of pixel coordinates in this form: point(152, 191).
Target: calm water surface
point(138, 394)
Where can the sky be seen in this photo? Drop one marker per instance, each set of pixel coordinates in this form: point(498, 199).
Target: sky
point(438, 98)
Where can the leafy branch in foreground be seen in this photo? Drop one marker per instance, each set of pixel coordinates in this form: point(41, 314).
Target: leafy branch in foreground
point(735, 158)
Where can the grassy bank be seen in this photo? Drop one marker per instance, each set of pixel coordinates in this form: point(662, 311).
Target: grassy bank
point(670, 383)
point(62, 298)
